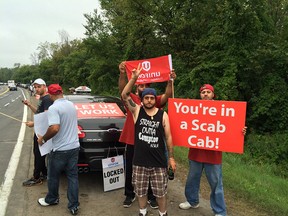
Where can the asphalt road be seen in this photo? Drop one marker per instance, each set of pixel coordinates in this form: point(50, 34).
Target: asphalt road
point(10, 123)
point(93, 199)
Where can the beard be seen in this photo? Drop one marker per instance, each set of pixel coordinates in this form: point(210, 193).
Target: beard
point(149, 106)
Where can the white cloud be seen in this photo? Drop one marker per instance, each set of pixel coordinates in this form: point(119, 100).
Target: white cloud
point(25, 24)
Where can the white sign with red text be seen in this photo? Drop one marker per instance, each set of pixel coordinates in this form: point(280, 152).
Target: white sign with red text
point(113, 173)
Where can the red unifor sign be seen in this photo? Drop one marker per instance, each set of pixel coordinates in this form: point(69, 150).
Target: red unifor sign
point(98, 110)
point(207, 124)
point(153, 69)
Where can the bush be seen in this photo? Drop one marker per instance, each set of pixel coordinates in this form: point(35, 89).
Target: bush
point(268, 149)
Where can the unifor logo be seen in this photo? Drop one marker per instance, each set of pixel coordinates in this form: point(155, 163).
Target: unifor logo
point(146, 65)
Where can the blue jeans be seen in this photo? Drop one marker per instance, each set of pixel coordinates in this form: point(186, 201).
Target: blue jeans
point(58, 162)
point(214, 176)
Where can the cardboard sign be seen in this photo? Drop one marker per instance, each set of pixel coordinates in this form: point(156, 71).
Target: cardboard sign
point(207, 124)
point(153, 69)
point(113, 173)
point(98, 110)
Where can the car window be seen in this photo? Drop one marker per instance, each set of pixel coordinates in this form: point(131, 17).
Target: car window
point(96, 99)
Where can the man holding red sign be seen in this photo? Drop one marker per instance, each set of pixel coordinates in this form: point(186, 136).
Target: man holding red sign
point(211, 162)
point(127, 135)
point(153, 141)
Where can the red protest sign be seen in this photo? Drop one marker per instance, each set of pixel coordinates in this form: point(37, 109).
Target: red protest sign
point(98, 110)
point(207, 124)
point(153, 69)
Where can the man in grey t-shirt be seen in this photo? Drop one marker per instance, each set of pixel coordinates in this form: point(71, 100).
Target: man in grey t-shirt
point(62, 120)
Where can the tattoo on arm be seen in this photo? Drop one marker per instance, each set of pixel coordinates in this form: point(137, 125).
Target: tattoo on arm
point(131, 102)
point(128, 93)
point(170, 152)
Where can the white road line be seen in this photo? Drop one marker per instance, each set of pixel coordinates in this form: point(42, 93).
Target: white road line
point(5, 188)
point(6, 104)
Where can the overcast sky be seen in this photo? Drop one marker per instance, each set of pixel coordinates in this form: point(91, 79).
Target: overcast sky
point(24, 24)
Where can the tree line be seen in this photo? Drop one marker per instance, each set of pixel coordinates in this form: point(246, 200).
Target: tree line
point(238, 46)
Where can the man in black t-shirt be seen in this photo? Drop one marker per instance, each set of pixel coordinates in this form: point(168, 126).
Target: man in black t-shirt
point(40, 169)
point(152, 138)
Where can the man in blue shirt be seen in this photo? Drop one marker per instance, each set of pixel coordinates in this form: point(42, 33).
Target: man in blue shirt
point(62, 120)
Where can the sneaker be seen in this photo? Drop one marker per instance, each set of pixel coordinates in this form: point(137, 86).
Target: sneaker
point(164, 214)
point(32, 181)
point(128, 201)
point(42, 202)
point(74, 211)
point(43, 177)
point(186, 205)
point(140, 214)
point(153, 203)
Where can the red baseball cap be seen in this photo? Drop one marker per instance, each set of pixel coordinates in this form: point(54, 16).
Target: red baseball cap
point(55, 89)
point(207, 86)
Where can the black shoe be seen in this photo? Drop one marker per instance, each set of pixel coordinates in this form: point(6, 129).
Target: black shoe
point(43, 177)
point(74, 211)
point(153, 203)
point(32, 181)
point(128, 201)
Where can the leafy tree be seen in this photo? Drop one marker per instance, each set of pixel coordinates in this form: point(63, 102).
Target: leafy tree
point(6, 74)
point(26, 73)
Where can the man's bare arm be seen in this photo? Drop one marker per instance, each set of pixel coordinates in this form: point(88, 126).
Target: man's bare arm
point(122, 81)
point(127, 91)
point(169, 89)
point(30, 105)
point(169, 141)
point(51, 132)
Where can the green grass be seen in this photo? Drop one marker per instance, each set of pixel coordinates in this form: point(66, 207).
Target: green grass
point(181, 155)
point(252, 183)
point(256, 183)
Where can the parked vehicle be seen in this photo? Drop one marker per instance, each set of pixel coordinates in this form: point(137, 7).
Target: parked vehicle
point(82, 90)
point(100, 123)
point(11, 85)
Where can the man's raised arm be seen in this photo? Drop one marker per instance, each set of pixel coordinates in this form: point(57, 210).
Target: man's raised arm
point(122, 81)
point(169, 89)
point(127, 91)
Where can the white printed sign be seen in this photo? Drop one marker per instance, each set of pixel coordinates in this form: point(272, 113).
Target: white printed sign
point(113, 173)
point(40, 127)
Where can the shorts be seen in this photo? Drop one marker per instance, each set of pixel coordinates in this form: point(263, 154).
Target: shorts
point(156, 175)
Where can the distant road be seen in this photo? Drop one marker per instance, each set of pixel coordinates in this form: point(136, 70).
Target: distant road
point(11, 126)
point(10, 105)
point(3, 89)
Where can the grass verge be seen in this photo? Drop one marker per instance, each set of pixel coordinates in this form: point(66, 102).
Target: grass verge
point(255, 185)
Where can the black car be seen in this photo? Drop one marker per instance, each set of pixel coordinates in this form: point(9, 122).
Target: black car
point(100, 123)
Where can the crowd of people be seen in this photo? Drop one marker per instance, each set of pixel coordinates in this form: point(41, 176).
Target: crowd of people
point(148, 155)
